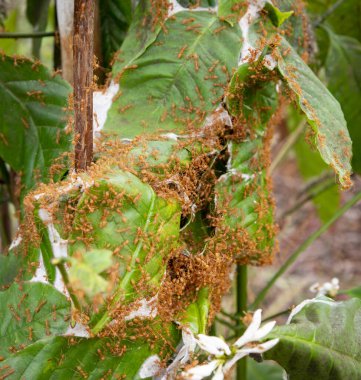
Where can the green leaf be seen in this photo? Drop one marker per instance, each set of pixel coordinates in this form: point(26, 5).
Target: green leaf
point(311, 167)
point(322, 342)
point(354, 292)
point(170, 87)
point(323, 112)
point(196, 315)
point(9, 267)
point(28, 312)
point(36, 11)
point(10, 45)
point(64, 358)
point(17, 264)
point(345, 19)
point(276, 15)
point(115, 18)
point(126, 223)
point(243, 193)
point(141, 33)
point(33, 133)
point(296, 27)
point(263, 371)
point(343, 73)
point(230, 9)
point(85, 272)
point(198, 3)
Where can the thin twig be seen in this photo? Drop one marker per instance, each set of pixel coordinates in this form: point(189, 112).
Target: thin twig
point(294, 256)
point(229, 315)
point(290, 141)
point(27, 35)
point(83, 82)
point(328, 13)
point(226, 323)
point(328, 183)
point(280, 313)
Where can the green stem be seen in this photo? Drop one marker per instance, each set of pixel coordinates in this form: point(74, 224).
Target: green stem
point(64, 274)
point(294, 256)
point(228, 324)
point(280, 313)
point(241, 294)
point(229, 315)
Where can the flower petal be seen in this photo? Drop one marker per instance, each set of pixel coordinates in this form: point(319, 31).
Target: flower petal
point(248, 335)
point(264, 330)
point(260, 348)
point(189, 340)
point(219, 374)
point(150, 367)
point(213, 345)
point(201, 371)
point(230, 363)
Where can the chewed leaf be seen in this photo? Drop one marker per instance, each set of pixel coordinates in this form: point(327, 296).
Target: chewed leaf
point(323, 112)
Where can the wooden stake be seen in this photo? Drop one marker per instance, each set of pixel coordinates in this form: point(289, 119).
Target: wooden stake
point(83, 82)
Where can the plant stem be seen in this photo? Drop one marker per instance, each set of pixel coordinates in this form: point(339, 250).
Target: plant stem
point(64, 274)
point(241, 294)
point(27, 35)
point(83, 82)
point(290, 141)
point(229, 315)
point(294, 256)
point(228, 324)
point(273, 316)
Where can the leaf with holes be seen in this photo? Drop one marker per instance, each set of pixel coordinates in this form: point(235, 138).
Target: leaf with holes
point(32, 134)
point(28, 312)
point(322, 342)
point(322, 110)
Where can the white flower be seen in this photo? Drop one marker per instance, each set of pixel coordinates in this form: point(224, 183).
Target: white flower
point(151, 366)
point(213, 345)
point(204, 370)
point(222, 357)
point(326, 289)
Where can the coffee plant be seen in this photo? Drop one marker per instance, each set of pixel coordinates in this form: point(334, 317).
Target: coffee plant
point(141, 198)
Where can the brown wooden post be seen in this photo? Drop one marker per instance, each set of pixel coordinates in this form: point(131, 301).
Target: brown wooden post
point(83, 82)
